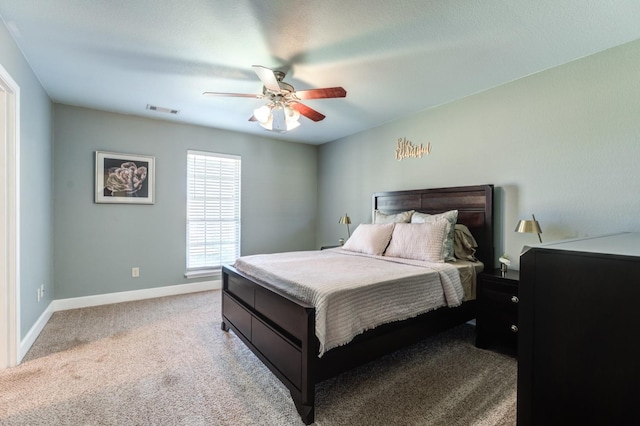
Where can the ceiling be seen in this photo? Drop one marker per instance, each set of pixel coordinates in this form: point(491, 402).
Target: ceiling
point(394, 58)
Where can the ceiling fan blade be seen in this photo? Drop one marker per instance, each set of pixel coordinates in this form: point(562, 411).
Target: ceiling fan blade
point(310, 113)
point(329, 92)
point(267, 77)
point(233, 95)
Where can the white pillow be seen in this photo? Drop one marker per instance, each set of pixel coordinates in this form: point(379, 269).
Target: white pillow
point(370, 238)
point(420, 241)
point(380, 217)
point(452, 217)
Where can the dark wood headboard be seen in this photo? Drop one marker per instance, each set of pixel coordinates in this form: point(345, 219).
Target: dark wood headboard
point(474, 205)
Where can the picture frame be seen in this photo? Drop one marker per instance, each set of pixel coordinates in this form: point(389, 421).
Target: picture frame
point(124, 178)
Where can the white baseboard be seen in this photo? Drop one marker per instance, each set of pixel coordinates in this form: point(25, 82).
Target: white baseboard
point(34, 332)
point(106, 299)
point(129, 296)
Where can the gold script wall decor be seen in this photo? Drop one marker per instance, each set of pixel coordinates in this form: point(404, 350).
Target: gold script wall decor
point(406, 149)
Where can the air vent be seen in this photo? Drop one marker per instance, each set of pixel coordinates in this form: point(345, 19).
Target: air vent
point(162, 109)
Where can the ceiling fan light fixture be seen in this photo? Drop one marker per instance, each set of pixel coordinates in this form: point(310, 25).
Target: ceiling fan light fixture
point(291, 114)
point(285, 117)
point(292, 125)
point(268, 124)
point(263, 113)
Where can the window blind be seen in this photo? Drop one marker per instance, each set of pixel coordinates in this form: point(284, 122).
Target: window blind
point(213, 210)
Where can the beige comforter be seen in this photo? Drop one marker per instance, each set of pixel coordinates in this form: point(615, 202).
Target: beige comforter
point(354, 292)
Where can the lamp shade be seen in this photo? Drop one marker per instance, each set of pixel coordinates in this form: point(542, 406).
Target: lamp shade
point(529, 226)
point(262, 114)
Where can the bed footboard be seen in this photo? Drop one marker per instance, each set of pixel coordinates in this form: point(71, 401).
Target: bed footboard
point(279, 329)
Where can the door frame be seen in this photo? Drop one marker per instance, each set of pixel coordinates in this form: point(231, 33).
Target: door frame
point(9, 220)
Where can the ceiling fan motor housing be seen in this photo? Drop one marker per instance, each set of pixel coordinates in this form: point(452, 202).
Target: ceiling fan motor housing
point(285, 89)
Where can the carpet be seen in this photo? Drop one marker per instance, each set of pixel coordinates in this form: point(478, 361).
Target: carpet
point(166, 361)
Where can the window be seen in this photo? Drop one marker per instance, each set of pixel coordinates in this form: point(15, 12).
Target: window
point(213, 211)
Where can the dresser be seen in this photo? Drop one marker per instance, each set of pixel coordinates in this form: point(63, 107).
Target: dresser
point(497, 310)
point(579, 332)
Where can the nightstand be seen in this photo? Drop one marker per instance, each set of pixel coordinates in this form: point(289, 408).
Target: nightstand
point(497, 314)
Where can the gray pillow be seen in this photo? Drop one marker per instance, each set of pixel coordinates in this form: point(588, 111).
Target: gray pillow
point(452, 217)
point(404, 217)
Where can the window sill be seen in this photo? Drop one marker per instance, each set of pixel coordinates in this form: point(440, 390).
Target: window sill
point(204, 273)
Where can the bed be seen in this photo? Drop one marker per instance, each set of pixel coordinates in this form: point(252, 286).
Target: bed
point(281, 329)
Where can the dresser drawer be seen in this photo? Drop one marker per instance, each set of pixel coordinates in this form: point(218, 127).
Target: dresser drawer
point(499, 295)
point(496, 330)
point(500, 322)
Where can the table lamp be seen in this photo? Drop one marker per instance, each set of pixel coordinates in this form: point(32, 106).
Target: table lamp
point(529, 226)
point(346, 220)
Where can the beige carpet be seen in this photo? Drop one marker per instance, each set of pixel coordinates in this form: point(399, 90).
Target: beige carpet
point(166, 362)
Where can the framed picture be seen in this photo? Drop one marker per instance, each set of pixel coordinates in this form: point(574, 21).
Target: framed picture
point(125, 178)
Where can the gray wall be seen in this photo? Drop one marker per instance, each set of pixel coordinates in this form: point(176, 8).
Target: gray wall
point(96, 245)
point(562, 144)
point(36, 184)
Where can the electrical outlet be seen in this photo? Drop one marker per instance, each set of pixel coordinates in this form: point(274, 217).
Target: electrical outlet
point(42, 291)
point(38, 296)
point(135, 272)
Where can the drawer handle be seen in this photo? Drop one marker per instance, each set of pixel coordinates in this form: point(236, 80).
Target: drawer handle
point(514, 328)
point(515, 299)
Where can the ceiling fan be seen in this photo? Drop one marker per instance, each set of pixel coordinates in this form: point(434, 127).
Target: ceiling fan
point(283, 109)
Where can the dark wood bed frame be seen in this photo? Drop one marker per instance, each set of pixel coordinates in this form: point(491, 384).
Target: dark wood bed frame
point(280, 329)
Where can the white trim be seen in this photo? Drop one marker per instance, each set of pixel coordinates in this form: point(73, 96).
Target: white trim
point(10, 223)
point(129, 296)
point(35, 331)
point(202, 273)
point(213, 202)
point(107, 299)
